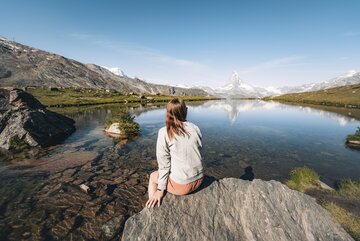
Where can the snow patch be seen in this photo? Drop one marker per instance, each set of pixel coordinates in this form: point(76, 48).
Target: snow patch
point(116, 70)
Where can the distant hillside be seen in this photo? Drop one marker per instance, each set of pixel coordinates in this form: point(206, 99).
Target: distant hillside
point(348, 96)
point(21, 66)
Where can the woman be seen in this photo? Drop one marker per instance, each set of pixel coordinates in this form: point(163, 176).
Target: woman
point(178, 155)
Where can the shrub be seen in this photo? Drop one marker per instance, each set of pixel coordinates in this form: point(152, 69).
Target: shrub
point(355, 137)
point(348, 188)
point(302, 178)
point(126, 122)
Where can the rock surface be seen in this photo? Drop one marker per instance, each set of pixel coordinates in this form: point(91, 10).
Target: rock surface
point(25, 121)
point(234, 209)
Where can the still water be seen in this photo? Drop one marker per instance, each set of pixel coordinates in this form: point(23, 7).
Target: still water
point(270, 137)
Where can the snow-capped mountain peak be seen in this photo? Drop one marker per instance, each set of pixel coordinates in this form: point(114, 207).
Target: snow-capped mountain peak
point(239, 88)
point(235, 79)
point(116, 70)
point(350, 73)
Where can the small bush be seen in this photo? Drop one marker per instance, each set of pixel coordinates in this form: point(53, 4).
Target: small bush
point(349, 222)
point(126, 122)
point(302, 178)
point(17, 144)
point(355, 137)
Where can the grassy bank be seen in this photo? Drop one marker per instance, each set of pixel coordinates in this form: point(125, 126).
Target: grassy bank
point(345, 96)
point(78, 97)
point(343, 203)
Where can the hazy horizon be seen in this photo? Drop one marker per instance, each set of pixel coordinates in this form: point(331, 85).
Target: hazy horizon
point(273, 43)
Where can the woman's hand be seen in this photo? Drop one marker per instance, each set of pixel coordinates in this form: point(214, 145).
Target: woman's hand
point(156, 198)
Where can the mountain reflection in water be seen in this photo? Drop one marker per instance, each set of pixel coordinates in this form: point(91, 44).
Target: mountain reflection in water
point(233, 108)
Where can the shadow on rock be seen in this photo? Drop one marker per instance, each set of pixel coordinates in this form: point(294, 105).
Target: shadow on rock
point(249, 174)
point(208, 180)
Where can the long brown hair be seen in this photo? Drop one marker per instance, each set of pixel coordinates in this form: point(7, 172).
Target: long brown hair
point(176, 112)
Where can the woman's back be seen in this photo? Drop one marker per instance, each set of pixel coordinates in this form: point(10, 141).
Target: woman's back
point(183, 151)
point(178, 154)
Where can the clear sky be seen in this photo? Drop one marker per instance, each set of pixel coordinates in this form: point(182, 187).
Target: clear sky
point(268, 42)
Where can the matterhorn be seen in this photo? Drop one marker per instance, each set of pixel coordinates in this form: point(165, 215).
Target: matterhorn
point(237, 88)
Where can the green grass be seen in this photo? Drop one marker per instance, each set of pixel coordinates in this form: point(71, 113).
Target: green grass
point(346, 96)
point(349, 222)
point(348, 188)
point(302, 178)
point(355, 137)
point(125, 120)
point(347, 192)
point(17, 145)
point(78, 97)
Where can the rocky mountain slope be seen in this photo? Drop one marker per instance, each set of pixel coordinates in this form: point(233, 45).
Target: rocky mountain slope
point(234, 209)
point(21, 65)
point(350, 78)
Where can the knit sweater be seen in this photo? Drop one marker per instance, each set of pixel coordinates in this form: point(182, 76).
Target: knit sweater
point(180, 157)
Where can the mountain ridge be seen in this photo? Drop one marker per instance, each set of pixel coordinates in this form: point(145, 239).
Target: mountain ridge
point(22, 66)
point(237, 88)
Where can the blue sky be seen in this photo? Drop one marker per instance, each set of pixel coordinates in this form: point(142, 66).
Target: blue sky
point(269, 43)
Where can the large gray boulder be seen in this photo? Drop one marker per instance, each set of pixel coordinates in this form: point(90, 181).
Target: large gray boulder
point(234, 209)
point(25, 121)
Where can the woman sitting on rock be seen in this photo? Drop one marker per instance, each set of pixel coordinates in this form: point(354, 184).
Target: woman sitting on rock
point(178, 154)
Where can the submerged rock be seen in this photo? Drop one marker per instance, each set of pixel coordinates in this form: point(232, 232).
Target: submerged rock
point(25, 121)
point(234, 209)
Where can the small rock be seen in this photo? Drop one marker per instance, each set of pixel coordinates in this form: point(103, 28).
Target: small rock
point(84, 187)
point(324, 186)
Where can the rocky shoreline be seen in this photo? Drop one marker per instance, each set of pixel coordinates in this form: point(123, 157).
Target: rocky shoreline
point(59, 209)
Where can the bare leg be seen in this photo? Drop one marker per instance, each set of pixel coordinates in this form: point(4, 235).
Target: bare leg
point(153, 183)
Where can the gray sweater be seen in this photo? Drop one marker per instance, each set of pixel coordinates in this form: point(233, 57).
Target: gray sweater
point(180, 157)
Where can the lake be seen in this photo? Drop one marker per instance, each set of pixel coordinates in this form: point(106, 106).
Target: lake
point(41, 198)
point(270, 137)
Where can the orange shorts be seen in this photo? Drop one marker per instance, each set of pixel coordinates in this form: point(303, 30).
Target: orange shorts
point(183, 189)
